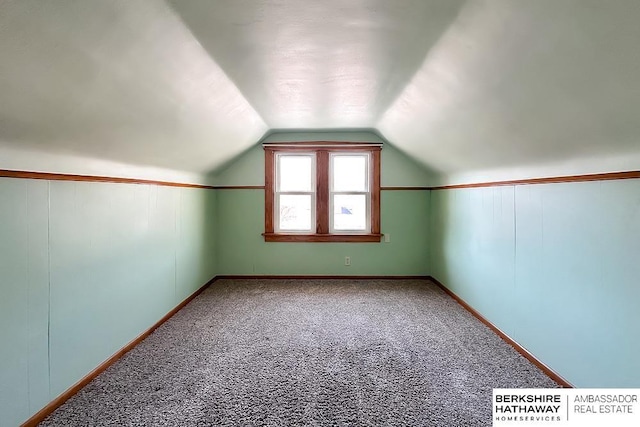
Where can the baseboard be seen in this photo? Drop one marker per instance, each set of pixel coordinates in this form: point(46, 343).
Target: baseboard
point(523, 351)
point(66, 395)
point(320, 276)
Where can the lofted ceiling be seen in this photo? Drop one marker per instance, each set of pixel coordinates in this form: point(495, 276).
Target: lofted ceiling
point(461, 86)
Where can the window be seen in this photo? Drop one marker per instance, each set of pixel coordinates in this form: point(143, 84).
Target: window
point(295, 192)
point(322, 192)
point(349, 197)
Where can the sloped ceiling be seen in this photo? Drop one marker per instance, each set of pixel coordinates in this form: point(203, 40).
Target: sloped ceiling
point(120, 80)
point(514, 84)
point(459, 85)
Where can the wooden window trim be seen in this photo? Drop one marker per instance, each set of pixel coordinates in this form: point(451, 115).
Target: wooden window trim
point(322, 150)
point(322, 192)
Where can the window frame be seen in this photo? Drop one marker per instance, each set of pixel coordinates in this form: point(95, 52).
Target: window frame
point(323, 150)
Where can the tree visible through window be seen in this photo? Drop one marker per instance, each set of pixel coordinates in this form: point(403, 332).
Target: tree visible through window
point(322, 192)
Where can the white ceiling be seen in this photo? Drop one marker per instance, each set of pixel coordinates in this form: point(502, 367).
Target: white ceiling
point(515, 83)
point(189, 84)
point(121, 80)
point(319, 64)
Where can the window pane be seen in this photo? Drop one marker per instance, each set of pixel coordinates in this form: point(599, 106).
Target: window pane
point(350, 212)
point(295, 212)
point(350, 173)
point(295, 173)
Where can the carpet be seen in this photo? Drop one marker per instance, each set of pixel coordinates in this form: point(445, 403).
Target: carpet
point(308, 353)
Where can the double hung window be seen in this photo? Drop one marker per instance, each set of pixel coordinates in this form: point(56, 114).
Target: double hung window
point(322, 192)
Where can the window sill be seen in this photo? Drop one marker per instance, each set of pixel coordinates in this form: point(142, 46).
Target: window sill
point(323, 238)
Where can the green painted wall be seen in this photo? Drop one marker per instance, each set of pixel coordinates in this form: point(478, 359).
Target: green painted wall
point(24, 299)
point(86, 267)
point(397, 169)
point(554, 266)
point(340, 135)
point(242, 250)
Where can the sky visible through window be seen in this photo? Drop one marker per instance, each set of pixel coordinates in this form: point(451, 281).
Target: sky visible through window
point(348, 176)
point(349, 173)
point(295, 173)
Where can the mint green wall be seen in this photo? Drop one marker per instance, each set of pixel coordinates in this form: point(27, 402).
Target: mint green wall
point(240, 217)
point(86, 267)
point(400, 170)
point(248, 168)
point(242, 249)
point(344, 135)
point(24, 302)
point(554, 266)
point(397, 169)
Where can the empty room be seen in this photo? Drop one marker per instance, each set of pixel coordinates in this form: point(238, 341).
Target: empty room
point(323, 213)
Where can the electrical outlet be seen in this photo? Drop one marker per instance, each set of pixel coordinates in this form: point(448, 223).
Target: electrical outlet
point(347, 260)
point(387, 238)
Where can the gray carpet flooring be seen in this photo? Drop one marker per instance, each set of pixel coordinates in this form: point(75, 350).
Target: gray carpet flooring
point(308, 353)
